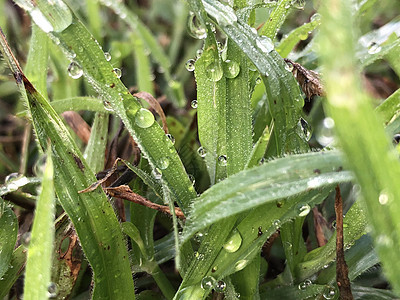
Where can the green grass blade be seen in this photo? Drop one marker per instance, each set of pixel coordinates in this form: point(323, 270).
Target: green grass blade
point(361, 135)
point(16, 267)
point(95, 150)
point(143, 66)
point(78, 103)
point(8, 236)
point(295, 36)
point(284, 97)
point(273, 181)
point(276, 19)
point(390, 107)
point(42, 237)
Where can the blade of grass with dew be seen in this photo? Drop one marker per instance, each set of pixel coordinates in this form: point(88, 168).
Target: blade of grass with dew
point(8, 236)
point(354, 228)
point(142, 66)
point(284, 97)
point(80, 46)
point(276, 19)
point(361, 134)
point(91, 213)
point(293, 292)
point(38, 266)
point(79, 103)
point(211, 107)
point(287, 44)
point(273, 181)
point(259, 148)
point(15, 268)
point(95, 150)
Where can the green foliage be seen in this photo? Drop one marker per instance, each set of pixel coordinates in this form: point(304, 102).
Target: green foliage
point(252, 166)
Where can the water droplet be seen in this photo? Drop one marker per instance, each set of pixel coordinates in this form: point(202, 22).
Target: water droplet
point(265, 44)
point(163, 163)
point(74, 70)
point(325, 132)
point(190, 65)
point(303, 285)
point(258, 80)
point(117, 72)
point(171, 138)
point(199, 52)
point(199, 236)
point(202, 151)
point(276, 224)
point(303, 210)
point(231, 68)
point(220, 286)
point(333, 224)
point(207, 283)
point(157, 173)
point(107, 56)
point(374, 48)
point(52, 290)
point(193, 104)
point(384, 198)
point(288, 67)
point(287, 5)
point(222, 160)
point(315, 18)
point(196, 29)
point(329, 292)
point(198, 256)
point(240, 264)
point(306, 128)
point(234, 242)
point(11, 177)
point(220, 47)
point(26, 239)
point(214, 70)
point(107, 105)
point(144, 118)
point(303, 36)
point(299, 4)
point(192, 179)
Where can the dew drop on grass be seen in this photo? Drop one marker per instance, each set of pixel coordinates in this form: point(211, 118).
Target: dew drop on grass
point(74, 70)
point(374, 48)
point(163, 163)
point(258, 80)
point(189, 65)
point(306, 129)
point(195, 28)
point(303, 210)
point(117, 72)
point(107, 56)
point(265, 44)
point(240, 264)
point(329, 292)
point(193, 104)
point(107, 105)
point(383, 198)
point(315, 17)
point(207, 283)
point(52, 290)
point(199, 52)
point(214, 71)
point(233, 243)
point(144, 118)
point(26, 239)
point(303, 36)
point(276, 224)
point(220, 286)
point(231, 68)
point(299, 4)
point(171, 138)
point(288, 67)
point(324, 134)
point(11, 177)
point(202, 151)
point(192, 179)
point(157, 173)
point(303, 285)
point(222, 160)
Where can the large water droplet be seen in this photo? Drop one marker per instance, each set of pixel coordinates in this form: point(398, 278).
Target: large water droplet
point(234, 242)
point(303, 210)
point(144, 118)
point(74, 70)
point(240, 264)
point(202, 151)
point(214, 71)
point(374, 48)
point(329, 292)
point(207, 283)
point(315, 18)
point(384, 198)
point(11, 177)
point(303, 285)
point(117, 72)
point(325, 132)
point(107, 56)
point(189, 65)
point(196, 29)
point(193, 104)
point(222, 160)
point(52, 290)
point(231, 68)
point(299, 4)
point(220, 286)
point(163, 163)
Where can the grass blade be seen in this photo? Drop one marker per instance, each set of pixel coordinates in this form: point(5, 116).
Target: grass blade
point(8, 236)
point(41, 245)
